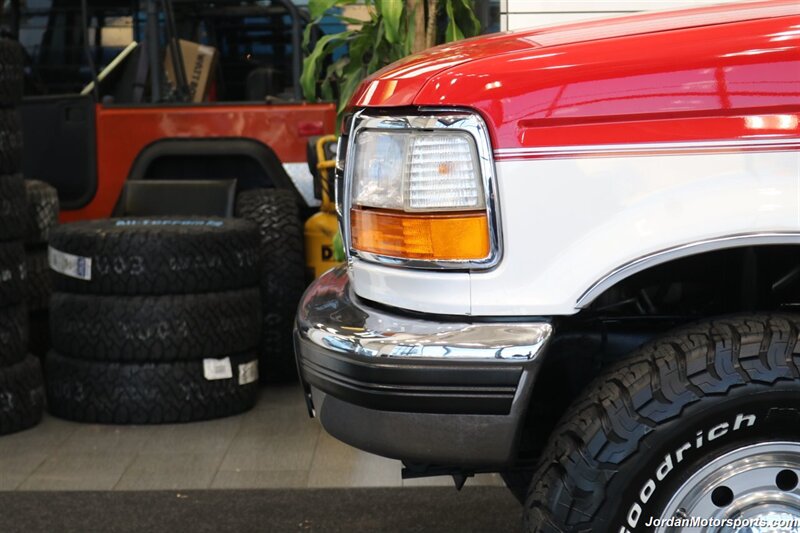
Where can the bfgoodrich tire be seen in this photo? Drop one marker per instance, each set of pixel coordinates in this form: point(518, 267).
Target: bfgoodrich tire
point(13, 334)
point(21, 395)
point(39, 285)
point(13, 273)
point(42, 211)
point(10, 141)
point(12, 207)
point(646, 427)
point(156, 328)
point(11, 80)
point(275, 213)
point(147, 393)
point(139, 256)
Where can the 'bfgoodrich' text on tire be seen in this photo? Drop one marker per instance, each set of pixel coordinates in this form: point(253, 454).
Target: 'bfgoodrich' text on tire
point(642, 428)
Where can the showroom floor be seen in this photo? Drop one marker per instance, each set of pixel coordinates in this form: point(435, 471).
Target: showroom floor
point(275, 445)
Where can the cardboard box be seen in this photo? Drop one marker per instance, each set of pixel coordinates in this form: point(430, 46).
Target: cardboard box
point(199, 62)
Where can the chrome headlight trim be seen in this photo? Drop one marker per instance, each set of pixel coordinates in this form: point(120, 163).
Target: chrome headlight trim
point(428, 119)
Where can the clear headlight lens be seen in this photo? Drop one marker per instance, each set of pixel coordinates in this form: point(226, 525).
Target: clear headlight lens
point(378, 171)
point(418, 194)
point(417, 171)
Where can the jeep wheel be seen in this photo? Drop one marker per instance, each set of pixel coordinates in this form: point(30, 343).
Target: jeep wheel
point(702, 423)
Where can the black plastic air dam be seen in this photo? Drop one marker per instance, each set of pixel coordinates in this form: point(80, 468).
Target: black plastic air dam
point(453, 439)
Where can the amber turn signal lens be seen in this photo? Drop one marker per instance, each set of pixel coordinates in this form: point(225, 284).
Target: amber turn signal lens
point(452, 237)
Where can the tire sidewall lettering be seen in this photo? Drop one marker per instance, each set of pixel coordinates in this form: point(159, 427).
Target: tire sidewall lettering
point(654, 486)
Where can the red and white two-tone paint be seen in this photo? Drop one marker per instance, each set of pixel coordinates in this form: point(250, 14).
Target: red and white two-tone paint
point(614, 140)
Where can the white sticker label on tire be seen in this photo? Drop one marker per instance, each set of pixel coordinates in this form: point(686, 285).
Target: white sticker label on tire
point(217, 369)
point(70, 265)
point(248, 372)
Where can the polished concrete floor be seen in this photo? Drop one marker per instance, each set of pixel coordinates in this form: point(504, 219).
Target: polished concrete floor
point(276, 445)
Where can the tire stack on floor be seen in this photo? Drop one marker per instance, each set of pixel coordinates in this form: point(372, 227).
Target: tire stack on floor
point(153, 320)
point(275, 213)
point(21, 387)
point(42, 217)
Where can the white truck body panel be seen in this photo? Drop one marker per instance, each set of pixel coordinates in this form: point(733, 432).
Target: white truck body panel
point(610, 212)
point(519, 14)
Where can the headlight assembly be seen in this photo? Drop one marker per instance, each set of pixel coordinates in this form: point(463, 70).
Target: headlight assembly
point(421, 191)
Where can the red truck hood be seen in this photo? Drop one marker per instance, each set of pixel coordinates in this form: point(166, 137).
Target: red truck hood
point(398, 83)
point(401, 83)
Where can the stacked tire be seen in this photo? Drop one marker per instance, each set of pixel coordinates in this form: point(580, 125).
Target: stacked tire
point(282, 266)
point(21, 386)
point(42, 217)
point(153, 320)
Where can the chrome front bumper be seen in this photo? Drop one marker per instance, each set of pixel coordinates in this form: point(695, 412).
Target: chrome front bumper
point(439, 390)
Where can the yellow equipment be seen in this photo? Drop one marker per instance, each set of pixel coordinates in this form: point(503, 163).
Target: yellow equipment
point(321, 228)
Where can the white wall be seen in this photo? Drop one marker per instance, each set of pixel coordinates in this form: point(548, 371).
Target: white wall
point(518, 14)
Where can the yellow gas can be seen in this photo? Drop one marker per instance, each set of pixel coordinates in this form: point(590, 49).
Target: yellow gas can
point(321, 228)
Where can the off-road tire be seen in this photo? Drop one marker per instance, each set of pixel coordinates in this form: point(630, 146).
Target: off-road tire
point(147, 255)
point(10, 141)
point(42, 212)
point(13, 334)
point(39, 284)
point(11, 65)
point(275, 213)
point(13, 273)
point(21, 395)
point(39, 333)
point(143, 393)
point(12, 207)
point(600, 470)
point(156, 328)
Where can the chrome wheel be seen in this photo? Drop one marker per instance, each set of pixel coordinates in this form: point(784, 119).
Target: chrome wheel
point(754, 489)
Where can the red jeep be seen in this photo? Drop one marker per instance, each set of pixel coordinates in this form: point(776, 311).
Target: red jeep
point(254, 129)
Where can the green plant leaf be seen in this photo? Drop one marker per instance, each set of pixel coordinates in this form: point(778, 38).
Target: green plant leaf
point(352, 80)
point(464, 13)
point(336, 69)
point(326, 91)
point(452, 32)
point(375, 60)
point(317, 8)
point(408, 42)
point(307, 33)
point(350, 20)
point(360, 46)
point(392, 13)
point(388, 35)
point(313, 63)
